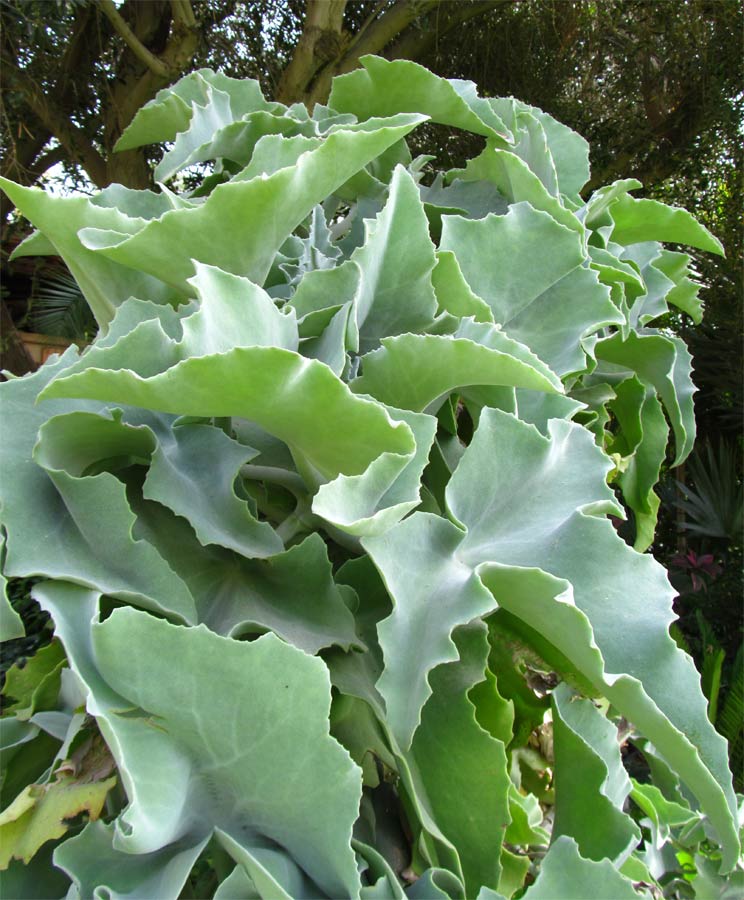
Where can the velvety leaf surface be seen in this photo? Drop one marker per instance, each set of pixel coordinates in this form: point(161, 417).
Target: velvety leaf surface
point(11, 624)
point(223, 753)
point(534, 281)
point(242, 224)
point(171, 109)
point(104, 283)
point(643, 440)
point(591, 784)
point(517, 182)
point(395, 294)
point(87, 855)
point(462, 768)
point(568, 150)
point(528, 516)
point(296, 399)
point(291, 593)
point(663, 362)
point(205, 494)
point(413, 371)
point(385, 88)
point(68, 514)
point(453, 292)
point(530, 140)
point(417, 560)
point(273, 872)
point(213, 133)
point(649, 220)
point(237, 886)
point(390, 488)
point(642, 648)
point(566, 875)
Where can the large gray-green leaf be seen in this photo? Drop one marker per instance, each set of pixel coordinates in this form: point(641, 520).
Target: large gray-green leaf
point(595, 212)
point(566, 875)
point(536, 512)
point(232, 312)
point(192, 472)
point(649, 220)
point(517, 182)
point(237, 886)
point(11, 624)
point(461, 767)
point(385, 88)
point(396, 261)
point(414, 371)
point(171, 109)
point(69, 514)
point(453, 292)
point(99, 870)
point(591, 784)
point(473, 199)
point(242, 224)
point(684, 294)
point(649, 694)
point(291, 593)
point(569, 150)
point(433, 592)
point(324, 288)
point(195, 756)
point(273, 872)
point(374, 501)
point(642, 441)
point(82, 443)
point(299, 400)
point(531, 272)
point(104, 283)
point(664, 363)
point(665, 279)
point(530, 140)
point(213, 133)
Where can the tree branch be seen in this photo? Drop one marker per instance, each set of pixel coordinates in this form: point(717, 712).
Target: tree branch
point(415, 45)
point(183, 14)
point(381, 32)
point(153, 63)
point(319, 42)
point(374, 35)
point(48, 110)
point(669, 136)
point(13, 355)
point(134, 87)
point(46, 161)
point(20, 154)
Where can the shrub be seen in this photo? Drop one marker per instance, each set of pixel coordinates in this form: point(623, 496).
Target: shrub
point(321, 519)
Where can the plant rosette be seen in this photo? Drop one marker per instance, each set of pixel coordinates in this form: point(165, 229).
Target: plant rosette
point(323, 519)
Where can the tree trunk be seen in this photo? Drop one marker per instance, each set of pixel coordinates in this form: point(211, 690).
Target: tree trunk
point(130, 168)
point(13, 355)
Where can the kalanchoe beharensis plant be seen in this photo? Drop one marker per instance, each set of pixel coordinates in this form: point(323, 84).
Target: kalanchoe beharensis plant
point(322, 520)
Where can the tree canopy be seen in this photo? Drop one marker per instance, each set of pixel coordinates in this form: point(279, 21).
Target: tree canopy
point(652, 86)
point(656, 88)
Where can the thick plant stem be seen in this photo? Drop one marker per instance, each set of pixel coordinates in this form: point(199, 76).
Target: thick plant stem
point(273, 474)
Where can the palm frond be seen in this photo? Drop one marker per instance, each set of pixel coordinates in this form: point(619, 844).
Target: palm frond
point(59, 308)
point(715, 505)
